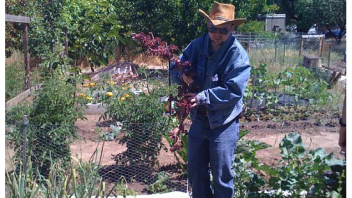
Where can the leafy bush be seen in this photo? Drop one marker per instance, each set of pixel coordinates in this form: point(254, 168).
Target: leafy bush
point(263, 88)
point(52, 118)
point(142, 114)
point(55, 111)
point(54, 62)
point(93, 30)
point(144, 107)
point(14, 115)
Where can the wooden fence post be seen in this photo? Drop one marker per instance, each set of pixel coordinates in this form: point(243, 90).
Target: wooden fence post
point(26, 56)
point(25, 20)
point(329, 56)
point(320, 47)
point(301, 50)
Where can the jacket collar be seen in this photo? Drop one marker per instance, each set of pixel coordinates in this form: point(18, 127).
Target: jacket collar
point(218, 54)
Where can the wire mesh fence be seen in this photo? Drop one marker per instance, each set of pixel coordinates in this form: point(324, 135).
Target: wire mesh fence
point(134, 156)
point(286, 47)
point(139, 162)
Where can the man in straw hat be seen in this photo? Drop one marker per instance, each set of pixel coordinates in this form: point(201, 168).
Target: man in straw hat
point(222, 70)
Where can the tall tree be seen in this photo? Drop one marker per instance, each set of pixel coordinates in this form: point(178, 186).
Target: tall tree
point(305, 13)
point(177, 22)
point(250, 9)
point(298, 12)
point(331, 14)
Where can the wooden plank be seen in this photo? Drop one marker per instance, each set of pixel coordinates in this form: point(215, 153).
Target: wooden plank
point(21, 97)
point(310, 60)
point(313, 36)
point(19, 19)
point(321, 46)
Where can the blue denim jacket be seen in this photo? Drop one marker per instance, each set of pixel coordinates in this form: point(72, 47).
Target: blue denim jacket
point(221, 78)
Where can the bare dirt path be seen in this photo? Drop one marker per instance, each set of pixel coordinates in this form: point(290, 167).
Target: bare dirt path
point(313, 135)
point(89, 142)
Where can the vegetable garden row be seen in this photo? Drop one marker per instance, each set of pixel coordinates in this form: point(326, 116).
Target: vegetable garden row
point(65, 34)
point(291, 94)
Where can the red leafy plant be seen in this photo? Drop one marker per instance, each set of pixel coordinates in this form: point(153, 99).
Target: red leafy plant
point(155, 46)
point(183, 106)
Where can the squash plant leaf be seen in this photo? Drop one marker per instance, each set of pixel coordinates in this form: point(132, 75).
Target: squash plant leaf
point(291, 146)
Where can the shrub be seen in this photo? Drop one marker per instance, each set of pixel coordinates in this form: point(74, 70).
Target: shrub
point(53, 117)
point(51, 128)
point(144, 122)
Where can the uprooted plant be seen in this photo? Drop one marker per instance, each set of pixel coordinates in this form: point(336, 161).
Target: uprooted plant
point(155, 46)
point(183, 106)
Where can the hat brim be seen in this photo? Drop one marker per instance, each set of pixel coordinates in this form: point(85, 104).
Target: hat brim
point(235, 22)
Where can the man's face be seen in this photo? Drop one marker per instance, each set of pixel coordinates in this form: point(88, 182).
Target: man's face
point(218, 35)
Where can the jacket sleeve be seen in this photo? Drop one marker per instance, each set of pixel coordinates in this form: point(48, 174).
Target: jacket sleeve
point(174, 74)
point(230, 90)
point(189, 54)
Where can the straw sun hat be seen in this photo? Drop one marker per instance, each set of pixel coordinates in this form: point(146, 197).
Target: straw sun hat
point(222, 14)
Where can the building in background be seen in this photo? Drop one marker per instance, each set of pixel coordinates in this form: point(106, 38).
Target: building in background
point(274, 22)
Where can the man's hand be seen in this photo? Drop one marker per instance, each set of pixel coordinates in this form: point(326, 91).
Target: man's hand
point(192, 99)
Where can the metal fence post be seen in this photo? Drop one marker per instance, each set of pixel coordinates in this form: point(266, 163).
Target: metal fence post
point(329, 56)
point(275, 45)
point(301, 47)
point(284, 49)
point(24, 142)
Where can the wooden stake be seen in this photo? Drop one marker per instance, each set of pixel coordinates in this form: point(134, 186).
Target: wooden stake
point(26, 56)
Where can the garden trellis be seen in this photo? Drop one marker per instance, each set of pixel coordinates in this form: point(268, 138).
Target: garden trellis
point(136, 145)
point(137, 149)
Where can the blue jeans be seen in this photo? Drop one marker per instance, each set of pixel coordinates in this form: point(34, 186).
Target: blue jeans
point(211, 150)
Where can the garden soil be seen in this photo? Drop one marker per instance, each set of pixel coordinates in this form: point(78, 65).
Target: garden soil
point(315, 133)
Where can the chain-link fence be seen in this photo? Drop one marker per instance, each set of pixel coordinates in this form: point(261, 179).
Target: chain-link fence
point(137, 156)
